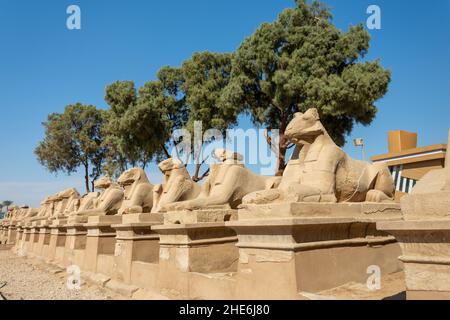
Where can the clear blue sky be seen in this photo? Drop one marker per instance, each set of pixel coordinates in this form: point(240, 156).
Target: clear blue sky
point(44, 66)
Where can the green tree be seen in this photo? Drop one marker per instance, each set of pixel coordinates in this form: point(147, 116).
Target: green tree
point(121, 149)
point(300, 61)
point(140, 123)
point(73, 139)
point(6, 204)
point(198, 86)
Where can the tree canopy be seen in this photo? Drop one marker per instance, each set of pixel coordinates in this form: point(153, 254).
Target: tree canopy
point(73, 139)
point(300, 61)
point(204, 77)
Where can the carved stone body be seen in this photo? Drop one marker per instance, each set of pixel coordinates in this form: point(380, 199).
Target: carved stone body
point(107, 203)
point(21, 212)
point(138, 195)
point(33, 212)
point(86, 202)
point(319, 171)
point(177, 186)
point(430, 197)
point(12, 212)
point(67, 201)
point(228, 182)
point(46, 210)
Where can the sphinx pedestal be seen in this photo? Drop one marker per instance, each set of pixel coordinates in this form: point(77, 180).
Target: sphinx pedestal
point(136, 255)
point(75, 244)
point(43, 243)
point(19, 234)
point(100, 244)
point(289, 248)
point(3, 233)
point(11, 234)
point(193, 242)
point(426, 256)
point(27, 238)
point(34, 238)
point(57, 242)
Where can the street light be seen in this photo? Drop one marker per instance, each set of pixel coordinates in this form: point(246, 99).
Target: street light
point(359, 142)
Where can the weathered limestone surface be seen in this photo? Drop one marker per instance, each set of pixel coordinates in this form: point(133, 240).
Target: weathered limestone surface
point(138, 192)
point(136, 254)
point(178, 185)
point(293, 247)
point(319, 171)
point(424, 236)
point(100, 244)
point(229, 181)
point(107, 203)
point(195, 242)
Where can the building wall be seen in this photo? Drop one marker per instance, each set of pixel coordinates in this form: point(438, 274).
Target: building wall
point(409, 166)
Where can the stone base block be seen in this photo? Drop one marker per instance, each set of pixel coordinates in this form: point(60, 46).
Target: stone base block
point(43, 242)
point(200, 216)
point(425, 248)
point(75, 245)
point(205, 247)
point(100, 243)
point(11, 235)
point(136, 242)
point(283, 251)
point(77, 219)
point(57, 242)
point(359, 210)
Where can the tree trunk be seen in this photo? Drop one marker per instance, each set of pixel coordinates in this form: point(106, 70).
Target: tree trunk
point(282, 148)
point(86, 176)
point(165, 151)
point(281, 162)
point(195, 177)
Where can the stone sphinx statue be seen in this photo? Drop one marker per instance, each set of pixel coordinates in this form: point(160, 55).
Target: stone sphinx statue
point(319, 171)
point(12, 212)
point(177, 186)
point(20, 212)
point(229, 181)
point(65, 203)
point(46, 209)
point(430, 197)
point(86, 202)
point(138, 195)
point(30, 213)
point(107, 203)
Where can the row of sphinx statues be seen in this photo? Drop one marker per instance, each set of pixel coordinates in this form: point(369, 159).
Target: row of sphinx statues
point(318, 171)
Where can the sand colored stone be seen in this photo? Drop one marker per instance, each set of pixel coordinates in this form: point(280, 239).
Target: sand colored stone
point(107, 203)
point(136, 253)
point(229, 181)
point(177, 186)
point(424, 236)
point(319, 171)
point(138, 192)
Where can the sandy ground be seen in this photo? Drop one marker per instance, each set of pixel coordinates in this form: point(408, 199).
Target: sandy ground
point(392, 288)
point(32, 281)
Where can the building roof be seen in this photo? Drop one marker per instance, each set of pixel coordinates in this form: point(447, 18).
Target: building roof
point(436, 151)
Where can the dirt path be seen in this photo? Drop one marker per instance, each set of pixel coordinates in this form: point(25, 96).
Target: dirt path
point(392, 288)
point(33, 281)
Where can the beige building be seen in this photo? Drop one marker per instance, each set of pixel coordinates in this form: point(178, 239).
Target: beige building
point(409, 163)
